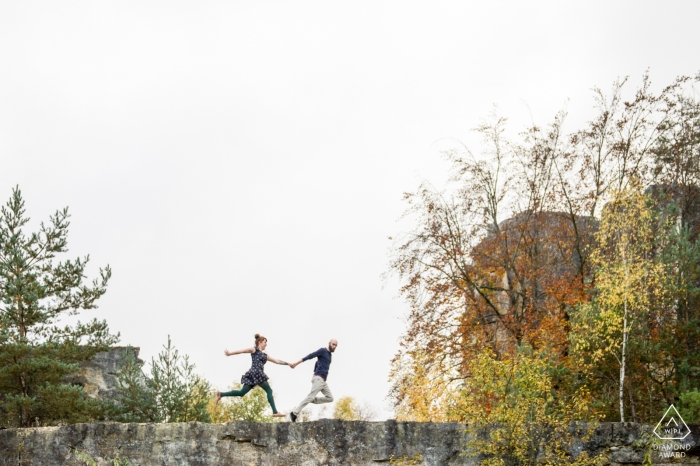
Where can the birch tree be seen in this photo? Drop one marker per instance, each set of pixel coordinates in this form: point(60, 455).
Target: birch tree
point(630, 280)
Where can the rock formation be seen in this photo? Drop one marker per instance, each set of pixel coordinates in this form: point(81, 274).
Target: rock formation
point(98, 376)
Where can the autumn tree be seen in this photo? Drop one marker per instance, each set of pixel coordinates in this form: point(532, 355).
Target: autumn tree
point(629, 281)
point(619, 143)
point(36, 350)
point(423, 392)
point(476, 280)
point(503, 258)
point(348, 408)
point(663, 354)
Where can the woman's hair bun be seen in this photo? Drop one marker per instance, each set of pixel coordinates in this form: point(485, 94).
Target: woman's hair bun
point(257, 335)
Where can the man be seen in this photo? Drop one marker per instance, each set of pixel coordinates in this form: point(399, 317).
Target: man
point(318, 381)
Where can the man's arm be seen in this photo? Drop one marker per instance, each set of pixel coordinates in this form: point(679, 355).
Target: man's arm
point(295, 364)
point(315, 354)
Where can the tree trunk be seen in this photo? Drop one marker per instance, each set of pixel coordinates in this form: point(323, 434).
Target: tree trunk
point(624, 349)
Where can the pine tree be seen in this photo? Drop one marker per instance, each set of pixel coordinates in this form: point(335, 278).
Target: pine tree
point(37, 349)
point(171, 392)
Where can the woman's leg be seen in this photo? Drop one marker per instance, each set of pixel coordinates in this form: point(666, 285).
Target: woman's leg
point(266, 386)
point(240, 392)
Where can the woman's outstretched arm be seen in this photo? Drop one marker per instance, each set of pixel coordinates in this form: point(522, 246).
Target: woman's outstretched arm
point(245, 350)
point(277, 361)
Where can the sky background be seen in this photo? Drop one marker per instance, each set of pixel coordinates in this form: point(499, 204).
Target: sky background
point(241, 165)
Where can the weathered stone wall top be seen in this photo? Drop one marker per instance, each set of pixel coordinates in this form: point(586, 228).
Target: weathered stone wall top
point(325, 442)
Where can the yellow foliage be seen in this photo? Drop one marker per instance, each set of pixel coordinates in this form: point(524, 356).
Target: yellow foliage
point(345, 409)
point(625, 273)
point(423, 394)
point(630, 281)
point(348, 409)
point(514, 416)
point(251, 407)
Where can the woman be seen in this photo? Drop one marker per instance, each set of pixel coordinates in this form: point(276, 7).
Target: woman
point(256, 374)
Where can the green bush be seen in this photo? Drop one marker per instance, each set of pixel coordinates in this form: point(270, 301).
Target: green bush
point(689, 406)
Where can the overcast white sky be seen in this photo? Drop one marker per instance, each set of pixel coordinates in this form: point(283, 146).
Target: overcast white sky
point(240, 165)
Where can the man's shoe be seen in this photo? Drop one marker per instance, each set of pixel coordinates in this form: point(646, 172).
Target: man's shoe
point(293, 417)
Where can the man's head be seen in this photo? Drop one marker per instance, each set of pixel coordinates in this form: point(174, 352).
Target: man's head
point(332, 345)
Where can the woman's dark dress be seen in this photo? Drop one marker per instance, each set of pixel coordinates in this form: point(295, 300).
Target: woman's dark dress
point(256, 374)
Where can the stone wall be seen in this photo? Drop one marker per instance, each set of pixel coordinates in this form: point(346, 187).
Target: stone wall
point(325, 442)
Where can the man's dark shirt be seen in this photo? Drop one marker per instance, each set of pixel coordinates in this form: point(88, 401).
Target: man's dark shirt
point(322, 364)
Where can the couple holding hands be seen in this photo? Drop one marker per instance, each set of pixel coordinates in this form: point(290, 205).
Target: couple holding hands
point(256, 375)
